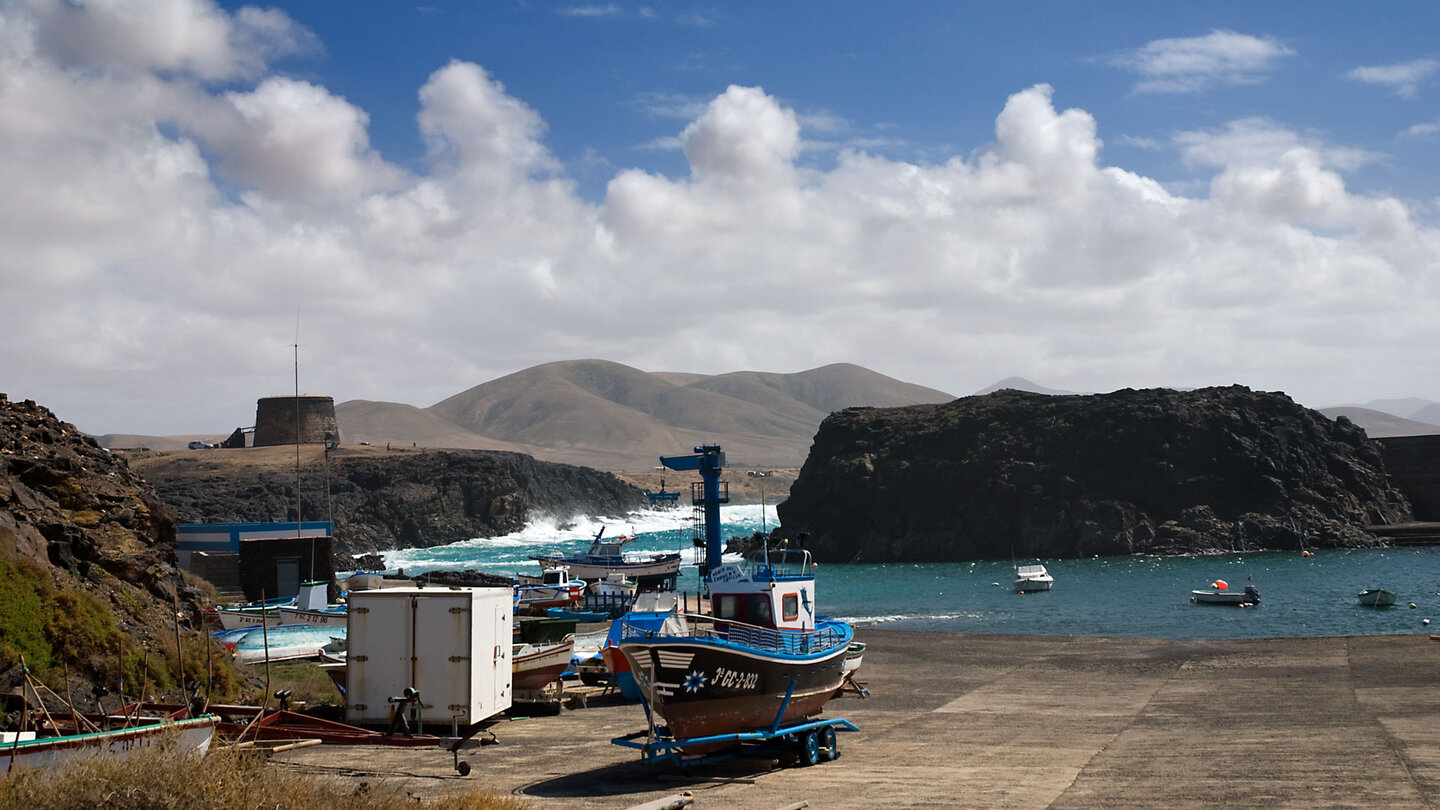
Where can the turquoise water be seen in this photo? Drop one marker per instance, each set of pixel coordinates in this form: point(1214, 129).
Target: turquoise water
point(1147, 597)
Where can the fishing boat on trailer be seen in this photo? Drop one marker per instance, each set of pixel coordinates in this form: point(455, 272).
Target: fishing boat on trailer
point(607, 557)
point(760, 663)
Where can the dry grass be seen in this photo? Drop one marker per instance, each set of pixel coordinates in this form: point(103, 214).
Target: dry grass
point(157, 778)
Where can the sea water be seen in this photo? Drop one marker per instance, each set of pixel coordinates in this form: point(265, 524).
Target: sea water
point(1139, 596)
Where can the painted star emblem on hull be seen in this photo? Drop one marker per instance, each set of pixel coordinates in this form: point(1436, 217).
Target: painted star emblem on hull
point(694, 682)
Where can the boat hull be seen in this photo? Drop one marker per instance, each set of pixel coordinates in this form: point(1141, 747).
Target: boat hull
point(537, 667)
point(1031, 585)
point(1377, 598)
point(318, 618)
point(236, 618)
point(191, 735)
point(597, 568)
point(705, 687)
point(1231, 598)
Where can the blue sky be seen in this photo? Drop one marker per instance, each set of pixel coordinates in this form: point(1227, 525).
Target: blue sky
point(1091, 196)
point(916, 81)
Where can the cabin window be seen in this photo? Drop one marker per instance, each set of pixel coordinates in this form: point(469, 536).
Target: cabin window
point(725, 607)
point(757, 610)
point(790, 607)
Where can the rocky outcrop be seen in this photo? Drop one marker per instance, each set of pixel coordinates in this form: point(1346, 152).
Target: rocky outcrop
point(88, 552)
point(67, 504)
point(1014, 474)
point(402, 501)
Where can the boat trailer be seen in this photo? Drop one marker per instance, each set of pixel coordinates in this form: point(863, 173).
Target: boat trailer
point(812, 741)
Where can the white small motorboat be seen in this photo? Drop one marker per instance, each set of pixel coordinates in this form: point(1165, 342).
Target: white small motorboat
point(1220, 594)
point(1033, 578)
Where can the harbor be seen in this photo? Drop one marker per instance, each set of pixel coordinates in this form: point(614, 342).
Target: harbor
point(1014, 721)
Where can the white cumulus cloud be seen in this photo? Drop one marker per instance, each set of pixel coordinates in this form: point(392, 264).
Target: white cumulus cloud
point(1404, 77)
point(167, 241)
point(1190, 64)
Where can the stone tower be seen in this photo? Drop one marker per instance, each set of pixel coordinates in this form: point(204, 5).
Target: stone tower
point(277, 419)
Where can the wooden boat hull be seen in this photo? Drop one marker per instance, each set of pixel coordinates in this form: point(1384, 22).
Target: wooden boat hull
point(534, 668)
point(192, 735)
point(702, 687)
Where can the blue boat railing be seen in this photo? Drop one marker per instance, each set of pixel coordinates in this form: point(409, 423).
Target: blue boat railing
point(769, 639)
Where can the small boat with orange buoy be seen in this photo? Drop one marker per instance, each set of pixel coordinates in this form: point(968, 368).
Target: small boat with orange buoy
point(1220, 594)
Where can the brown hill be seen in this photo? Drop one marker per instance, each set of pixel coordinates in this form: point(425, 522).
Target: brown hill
point(1380, 425)
point(610, 416)
point(613, 416)
point(381, 423)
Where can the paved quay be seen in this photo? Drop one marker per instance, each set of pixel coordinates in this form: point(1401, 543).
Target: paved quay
point(1016, 721)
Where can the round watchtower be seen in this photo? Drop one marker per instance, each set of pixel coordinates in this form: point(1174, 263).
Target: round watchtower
point(278, 418)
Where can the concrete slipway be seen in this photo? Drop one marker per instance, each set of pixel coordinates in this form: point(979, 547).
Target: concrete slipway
point(1017, 721)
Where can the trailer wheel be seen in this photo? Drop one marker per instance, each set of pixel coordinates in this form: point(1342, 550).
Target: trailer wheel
point(829, 745)
point(808, 747)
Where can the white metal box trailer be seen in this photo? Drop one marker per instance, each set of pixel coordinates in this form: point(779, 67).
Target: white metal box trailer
point(451, 645)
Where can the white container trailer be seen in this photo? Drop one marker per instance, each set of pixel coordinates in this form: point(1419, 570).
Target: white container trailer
point(451, 645)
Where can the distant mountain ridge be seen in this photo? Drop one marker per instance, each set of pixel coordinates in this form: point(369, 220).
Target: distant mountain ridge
point(608, 415)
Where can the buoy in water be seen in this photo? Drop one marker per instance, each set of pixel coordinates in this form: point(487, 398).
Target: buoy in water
point(1219, 584)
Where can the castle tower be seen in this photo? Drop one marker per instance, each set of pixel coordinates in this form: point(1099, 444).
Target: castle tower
point(276, 420)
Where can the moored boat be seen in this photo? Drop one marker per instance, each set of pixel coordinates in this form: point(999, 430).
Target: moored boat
point(1220, 594)
point(1377, 597)
point(759, 660)
point(1030, 578)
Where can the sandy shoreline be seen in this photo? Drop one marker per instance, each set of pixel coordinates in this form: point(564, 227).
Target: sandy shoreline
point(1018, 721)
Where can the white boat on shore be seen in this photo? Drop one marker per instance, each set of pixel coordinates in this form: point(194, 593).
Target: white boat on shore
point(608, 557)
point(26, 750)
point(1033, 578)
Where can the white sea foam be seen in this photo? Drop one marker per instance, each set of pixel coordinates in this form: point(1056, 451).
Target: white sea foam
point(548, 533)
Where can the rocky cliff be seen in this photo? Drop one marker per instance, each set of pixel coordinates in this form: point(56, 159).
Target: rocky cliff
point(404, 500)
point(1014, 474)
point(87, 559)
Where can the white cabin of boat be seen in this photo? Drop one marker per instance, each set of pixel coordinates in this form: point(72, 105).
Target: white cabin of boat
point(774, 590)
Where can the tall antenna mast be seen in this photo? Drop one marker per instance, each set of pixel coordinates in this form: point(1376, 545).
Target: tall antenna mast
point(299, 531)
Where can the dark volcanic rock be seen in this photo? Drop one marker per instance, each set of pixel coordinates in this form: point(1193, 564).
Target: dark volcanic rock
point(406, 500)
point(68, 504)
point(1014, 474)
point(90, 524)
